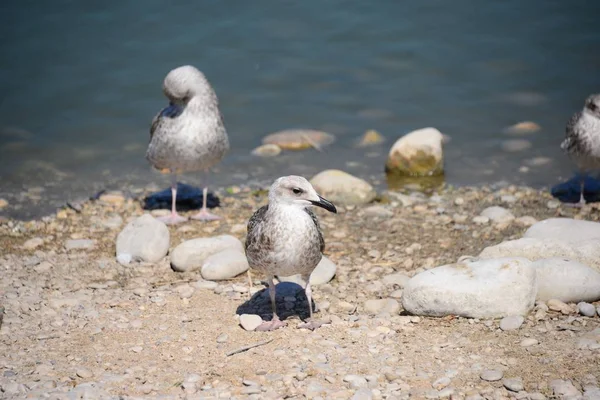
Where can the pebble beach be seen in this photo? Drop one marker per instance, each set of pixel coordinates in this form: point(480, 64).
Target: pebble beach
point(85, 316)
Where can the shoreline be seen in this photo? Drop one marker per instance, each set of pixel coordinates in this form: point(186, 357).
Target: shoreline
point(77, 321)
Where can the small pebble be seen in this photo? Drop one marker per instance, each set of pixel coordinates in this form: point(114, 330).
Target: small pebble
point(529, 342)
point(84, 373)
point(222, 338)
point(250, 321)
point(586, 309)
point(491, 375)
point(511, 322)
point(513, 384)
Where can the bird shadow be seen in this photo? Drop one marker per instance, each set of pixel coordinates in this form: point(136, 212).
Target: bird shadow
point(570, 191)
point(290, 301)
point(188, 198)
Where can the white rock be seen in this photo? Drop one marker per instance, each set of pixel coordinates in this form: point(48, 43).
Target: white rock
point(527, 342)
point(124, 258)
point(497, 214)
point(568, 281)
point(564, 229)
point(564, 388)
point(378, 306)
point(323, 273)
point(586, 309)
point(145, 238)
point(80, 244)
point(586, 252)
point(33, 243)
point(491, 375)
point(419, 152)
point(396, 279)
point(557, 305)
point(225, 264)
point(191, 254)
point(478, 289)
point(250, 321)
point(511, 322)
point(340, 187)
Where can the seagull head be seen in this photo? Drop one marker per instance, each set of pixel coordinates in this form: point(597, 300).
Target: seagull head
point(592, 105)
point(297, 191)
point(185, 82)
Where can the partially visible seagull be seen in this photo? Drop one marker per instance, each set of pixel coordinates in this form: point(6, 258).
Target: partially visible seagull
point(582, 141)
point(189, 134)
point(284, 238)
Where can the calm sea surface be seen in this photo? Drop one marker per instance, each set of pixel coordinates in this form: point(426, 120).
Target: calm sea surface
point(81, 80)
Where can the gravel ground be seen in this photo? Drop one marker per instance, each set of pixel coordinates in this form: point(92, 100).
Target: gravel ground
point(76, 323)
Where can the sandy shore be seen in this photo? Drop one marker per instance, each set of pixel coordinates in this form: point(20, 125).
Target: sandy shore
point(76, 321)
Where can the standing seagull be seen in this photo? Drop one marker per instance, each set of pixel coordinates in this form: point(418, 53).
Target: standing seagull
point(284, 238)
point(582, 141)
point(189, 134)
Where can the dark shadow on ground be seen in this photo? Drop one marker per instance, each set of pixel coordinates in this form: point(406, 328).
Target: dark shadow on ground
point(289, 297)
point(570, 191)
point(188, 198)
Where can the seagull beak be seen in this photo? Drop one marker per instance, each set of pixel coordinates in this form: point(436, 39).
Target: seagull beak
point(324, 203)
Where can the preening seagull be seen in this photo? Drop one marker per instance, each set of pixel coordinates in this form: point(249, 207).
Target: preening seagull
point(284, 238)
point(189, 134)
point(582, 141)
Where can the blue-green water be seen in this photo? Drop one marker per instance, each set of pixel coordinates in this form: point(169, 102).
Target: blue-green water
point(81, 81)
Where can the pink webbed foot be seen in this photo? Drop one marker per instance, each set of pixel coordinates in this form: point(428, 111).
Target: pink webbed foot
point(271, 325)
point(172, 219)
point(204, 215)
point(312, 325)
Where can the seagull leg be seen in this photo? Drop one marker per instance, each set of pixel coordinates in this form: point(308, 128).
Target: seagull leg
point(312, 324)
point(581, 202)
point(173, 218)
point(275, 322)
point(250, 284)
point(204, 215)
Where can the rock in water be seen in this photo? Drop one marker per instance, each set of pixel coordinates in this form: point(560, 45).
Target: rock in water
point(586, 252)
point(564, 229)
point(191, 254)
point(566, 280)
point(188, 198)
point(267, 150)
point(299, 139)
point(480, 289)
point(145, 239)
point(340, 187)
point(418, 153)
point(323, 273)
point(370, 138)
point(225, 264)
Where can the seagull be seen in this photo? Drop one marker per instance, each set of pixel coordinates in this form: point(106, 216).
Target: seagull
point(187, 135)
point(284, 238)
point(582, 140)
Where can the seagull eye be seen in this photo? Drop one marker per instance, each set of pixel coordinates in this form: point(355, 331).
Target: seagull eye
point(297, 190)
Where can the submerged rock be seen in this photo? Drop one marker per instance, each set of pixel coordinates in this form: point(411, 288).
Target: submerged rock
point(417, 153)
point(299, 139)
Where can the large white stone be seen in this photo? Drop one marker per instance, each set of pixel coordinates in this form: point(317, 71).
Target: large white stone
point(586, 252)
point(565, 229)
point(478, 289)
point(417, 153)
point(566, 280)
point(323, 273)
point(143, 239)
point(190, 255)
point(340, 187)
point(225, 264)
